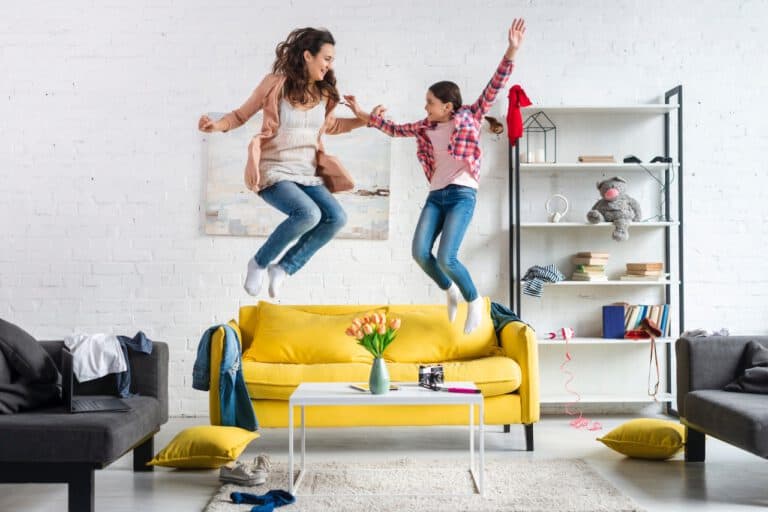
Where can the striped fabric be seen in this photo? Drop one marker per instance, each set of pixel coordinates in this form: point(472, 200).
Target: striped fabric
point(467, 120)
point(536, 276)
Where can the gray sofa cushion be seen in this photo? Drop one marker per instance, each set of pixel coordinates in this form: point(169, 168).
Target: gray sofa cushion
point(753, 370)
point(52, 435)
point(35, 378)
point(739, 419)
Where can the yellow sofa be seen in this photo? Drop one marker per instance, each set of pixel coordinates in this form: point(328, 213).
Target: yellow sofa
point(283, 346)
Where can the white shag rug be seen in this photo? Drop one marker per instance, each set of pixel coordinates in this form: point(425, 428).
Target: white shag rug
point(409, 485)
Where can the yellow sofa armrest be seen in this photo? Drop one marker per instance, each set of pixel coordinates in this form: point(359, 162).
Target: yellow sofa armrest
point(518, 341)
point(217, 350)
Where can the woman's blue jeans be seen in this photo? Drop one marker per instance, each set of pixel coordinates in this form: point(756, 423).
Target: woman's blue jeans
point(447, 213)
point(314, 217)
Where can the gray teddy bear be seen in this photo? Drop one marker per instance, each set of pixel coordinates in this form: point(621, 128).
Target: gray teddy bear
point(615, 206)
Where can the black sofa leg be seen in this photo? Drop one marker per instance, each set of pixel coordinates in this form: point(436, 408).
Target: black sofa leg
point(81, 490)
point(143, 454)
point(528, 437)
point(506, 429)
point(695, 445)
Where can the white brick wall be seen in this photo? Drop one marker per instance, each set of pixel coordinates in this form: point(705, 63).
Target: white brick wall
point(100, 185)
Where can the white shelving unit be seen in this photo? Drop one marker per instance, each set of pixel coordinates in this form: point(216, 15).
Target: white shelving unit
point(554, 236)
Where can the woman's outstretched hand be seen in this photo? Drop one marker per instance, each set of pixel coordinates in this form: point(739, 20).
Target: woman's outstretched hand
point(515, 36)
point(351, 102)
point(206, 124)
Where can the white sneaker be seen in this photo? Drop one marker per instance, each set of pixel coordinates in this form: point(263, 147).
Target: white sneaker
point(261, 466)
point(241, 474)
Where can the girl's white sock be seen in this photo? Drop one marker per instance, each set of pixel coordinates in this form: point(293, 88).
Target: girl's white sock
point(276, 277)
point(474, 315)
point(454, 295)
point(255, 278)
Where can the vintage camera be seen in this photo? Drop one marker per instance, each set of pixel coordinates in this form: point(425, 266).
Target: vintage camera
point(430, 376)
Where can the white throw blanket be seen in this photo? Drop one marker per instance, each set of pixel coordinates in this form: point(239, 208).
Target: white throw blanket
point(95, 355)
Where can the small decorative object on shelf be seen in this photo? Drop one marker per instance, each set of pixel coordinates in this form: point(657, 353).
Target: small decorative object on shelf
point(537, 128)
point(615, 206)
point(557, 215)
point(374, 333)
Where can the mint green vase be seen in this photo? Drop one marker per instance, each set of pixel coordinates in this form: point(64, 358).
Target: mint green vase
point(379, 379)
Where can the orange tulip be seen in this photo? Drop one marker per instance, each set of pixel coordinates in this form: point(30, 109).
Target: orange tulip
point(357, 322)
point(350, 331)
point(382, 329)
point(358, 335)
point(394, 323)
point(368, 329)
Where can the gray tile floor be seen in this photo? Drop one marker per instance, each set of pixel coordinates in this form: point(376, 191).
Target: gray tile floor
point(730, 480)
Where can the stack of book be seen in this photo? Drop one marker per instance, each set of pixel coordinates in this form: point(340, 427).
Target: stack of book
point(600, 159)
point(658, 314)
point(590, 266)
point(644, 272)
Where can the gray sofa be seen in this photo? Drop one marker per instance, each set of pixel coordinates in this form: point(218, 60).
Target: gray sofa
point(51, 445)
point(704, 366)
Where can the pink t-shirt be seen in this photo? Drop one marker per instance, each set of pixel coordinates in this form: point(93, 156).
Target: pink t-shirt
point(448, 170)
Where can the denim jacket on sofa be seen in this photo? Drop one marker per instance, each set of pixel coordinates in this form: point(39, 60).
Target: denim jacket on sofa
point(236, 407)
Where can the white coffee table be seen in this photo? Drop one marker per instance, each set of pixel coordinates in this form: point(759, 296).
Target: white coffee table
point(340, 393)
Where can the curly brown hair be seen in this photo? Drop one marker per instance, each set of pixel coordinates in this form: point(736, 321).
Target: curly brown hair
point(290, 62)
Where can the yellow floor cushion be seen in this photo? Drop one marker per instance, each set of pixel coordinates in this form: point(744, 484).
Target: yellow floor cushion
point(495, 375)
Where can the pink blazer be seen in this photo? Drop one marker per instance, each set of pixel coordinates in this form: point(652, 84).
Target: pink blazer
point(266, 97)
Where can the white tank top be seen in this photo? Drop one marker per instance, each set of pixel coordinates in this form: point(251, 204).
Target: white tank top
point(292, 153)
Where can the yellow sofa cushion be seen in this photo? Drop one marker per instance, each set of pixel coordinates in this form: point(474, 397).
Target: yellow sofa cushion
point(315, 334)
point(204, 446)
point(646, 438)
point(426, 335)
point(495, 375)
point(283, 334)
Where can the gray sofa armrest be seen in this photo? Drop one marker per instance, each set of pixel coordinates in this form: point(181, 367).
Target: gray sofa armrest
point(708, 362)
point(149, 374)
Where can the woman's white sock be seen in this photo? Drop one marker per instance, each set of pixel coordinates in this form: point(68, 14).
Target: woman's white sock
point(255, 278)
point(276, 277)
point(474, 315)
point(454, 295)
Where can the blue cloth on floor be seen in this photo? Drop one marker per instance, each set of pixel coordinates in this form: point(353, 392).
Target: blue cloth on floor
point(139, 343)
point(235, 403)
point(264, 502)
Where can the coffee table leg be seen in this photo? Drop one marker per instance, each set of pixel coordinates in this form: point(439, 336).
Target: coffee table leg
point(471, 437)
point(303, 439)
point(290, 447)
point(482, 448)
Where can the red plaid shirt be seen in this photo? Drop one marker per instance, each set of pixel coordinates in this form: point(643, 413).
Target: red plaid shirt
point(465, 139)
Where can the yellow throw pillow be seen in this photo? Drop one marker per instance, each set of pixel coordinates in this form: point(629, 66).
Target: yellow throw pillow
point(287, 335)
point(206, 446)
point(646, 438)
point(426, 335)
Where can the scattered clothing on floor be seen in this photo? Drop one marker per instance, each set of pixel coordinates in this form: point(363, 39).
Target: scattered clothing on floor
point(264, 502)
point(95, 355)
point(235, 403)
point(536, 276)
point(139, 343)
